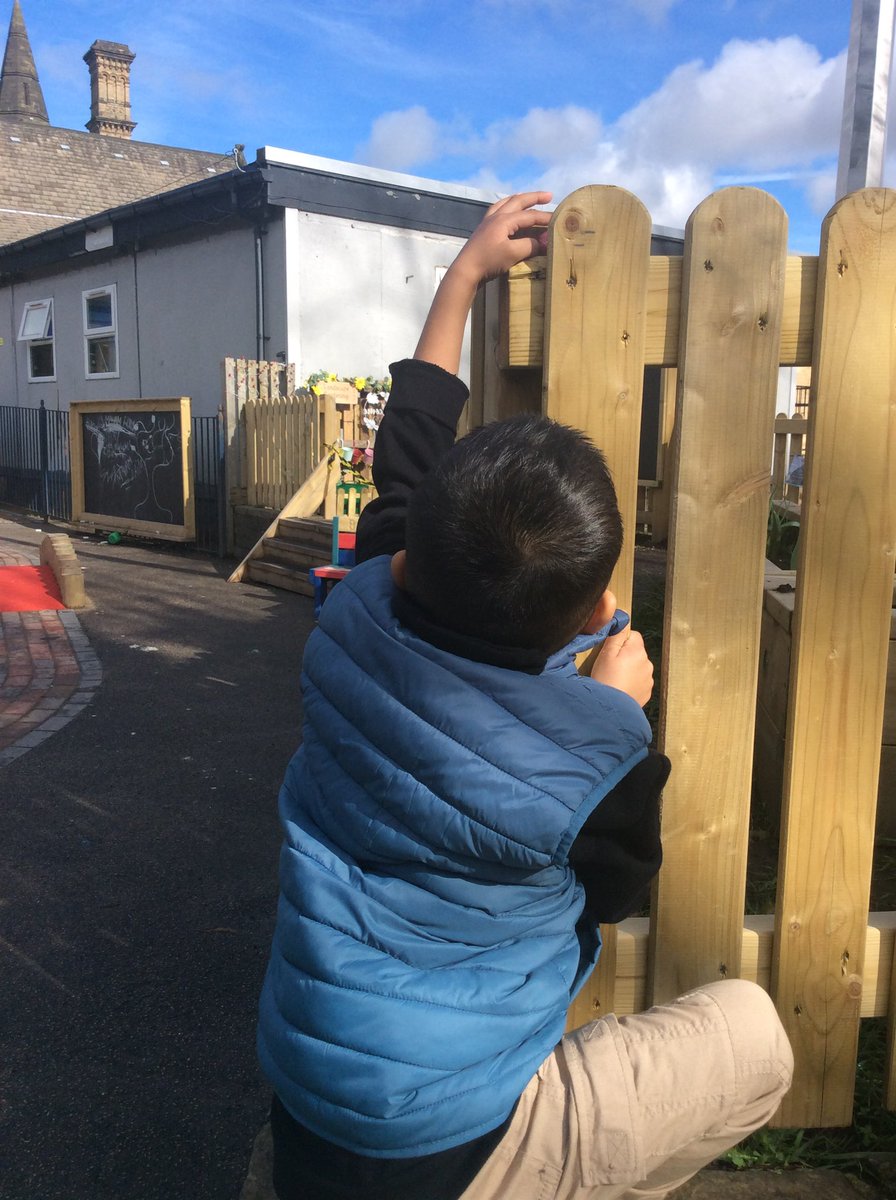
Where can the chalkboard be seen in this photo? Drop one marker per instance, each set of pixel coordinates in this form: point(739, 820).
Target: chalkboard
point(131, 466)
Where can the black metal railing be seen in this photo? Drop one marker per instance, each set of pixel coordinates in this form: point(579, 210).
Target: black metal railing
point(35, 468)
point(208, 483)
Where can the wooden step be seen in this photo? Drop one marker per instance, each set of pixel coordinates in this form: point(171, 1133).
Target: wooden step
point(297, 557)
point(260, 570)
point(307, 531)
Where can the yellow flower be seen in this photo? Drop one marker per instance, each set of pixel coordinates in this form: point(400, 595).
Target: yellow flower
point(331, 377)
point(315, 387)
point(360, 383)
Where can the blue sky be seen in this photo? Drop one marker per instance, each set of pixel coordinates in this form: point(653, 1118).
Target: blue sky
point(669, 98)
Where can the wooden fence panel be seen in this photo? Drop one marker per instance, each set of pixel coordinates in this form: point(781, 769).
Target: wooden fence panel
point(841, 633)
point(826, 961)
point(594, 368)
point(789, 441)
point(277, 431)
point(731, 312)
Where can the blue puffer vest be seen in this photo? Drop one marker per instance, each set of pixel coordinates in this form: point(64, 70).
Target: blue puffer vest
point(426, 947)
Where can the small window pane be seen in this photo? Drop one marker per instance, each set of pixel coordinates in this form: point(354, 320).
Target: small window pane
point(99, 311)
point(41, 360)
point(101, 356)
point(35, 320)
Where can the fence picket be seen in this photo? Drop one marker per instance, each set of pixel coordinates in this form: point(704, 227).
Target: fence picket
point(594, 369)
point(732, 300)
point(839, 659)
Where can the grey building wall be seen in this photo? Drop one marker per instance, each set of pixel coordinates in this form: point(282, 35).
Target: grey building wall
point(181, 309)
point(197, 307)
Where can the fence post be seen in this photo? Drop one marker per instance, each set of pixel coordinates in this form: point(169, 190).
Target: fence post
point(224, 507)
point(329, 436)
point(43, 450)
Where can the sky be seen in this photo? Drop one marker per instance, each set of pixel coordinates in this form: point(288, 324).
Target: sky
point(671, 99)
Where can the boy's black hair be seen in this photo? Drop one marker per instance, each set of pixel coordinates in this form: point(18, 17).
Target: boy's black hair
point(513, 536)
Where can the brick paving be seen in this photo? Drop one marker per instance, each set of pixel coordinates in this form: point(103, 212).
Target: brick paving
point(48, 672)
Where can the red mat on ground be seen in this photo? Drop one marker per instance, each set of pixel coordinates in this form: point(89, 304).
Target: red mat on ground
point(28, 589)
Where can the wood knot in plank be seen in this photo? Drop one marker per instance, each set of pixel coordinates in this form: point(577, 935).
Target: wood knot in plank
point(744, 490)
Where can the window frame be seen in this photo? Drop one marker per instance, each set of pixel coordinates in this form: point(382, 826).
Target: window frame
point(34, 340)
point(99, 333)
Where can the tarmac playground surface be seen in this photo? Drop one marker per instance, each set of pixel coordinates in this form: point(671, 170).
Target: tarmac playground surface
point(142, 744)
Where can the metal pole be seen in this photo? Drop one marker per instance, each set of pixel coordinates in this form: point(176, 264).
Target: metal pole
point(864, 132)
point(44, 452)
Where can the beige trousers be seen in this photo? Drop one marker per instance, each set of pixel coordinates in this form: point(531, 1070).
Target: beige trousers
point(629, 1109)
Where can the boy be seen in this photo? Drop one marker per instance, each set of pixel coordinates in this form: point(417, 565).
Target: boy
point(463, 813)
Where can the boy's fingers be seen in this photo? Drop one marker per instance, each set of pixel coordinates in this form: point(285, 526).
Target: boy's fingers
point(519, 202)
point(627, 639)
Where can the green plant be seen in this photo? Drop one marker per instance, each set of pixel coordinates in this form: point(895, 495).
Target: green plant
point(782, 537)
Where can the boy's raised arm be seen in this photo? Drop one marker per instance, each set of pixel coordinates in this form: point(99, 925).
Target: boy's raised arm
point(511, 231)
point(420, 423)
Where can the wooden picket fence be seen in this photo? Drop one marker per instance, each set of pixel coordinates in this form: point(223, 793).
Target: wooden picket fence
point(789, 443)
point(280, 434)
point(726, 315)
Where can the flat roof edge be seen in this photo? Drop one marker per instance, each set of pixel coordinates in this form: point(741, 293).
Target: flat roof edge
point(275, 157)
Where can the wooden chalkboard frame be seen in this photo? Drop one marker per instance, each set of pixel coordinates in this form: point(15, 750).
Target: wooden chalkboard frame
point(184, 531)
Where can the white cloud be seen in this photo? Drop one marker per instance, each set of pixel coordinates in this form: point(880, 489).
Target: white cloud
point(402, 140)
point(549, 135)
point(761, 105)
point(762, 110)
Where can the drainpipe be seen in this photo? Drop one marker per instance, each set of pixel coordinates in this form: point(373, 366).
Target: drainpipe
point(260, 337)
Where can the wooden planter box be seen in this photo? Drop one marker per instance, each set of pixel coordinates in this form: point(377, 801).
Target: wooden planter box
point(771, 705)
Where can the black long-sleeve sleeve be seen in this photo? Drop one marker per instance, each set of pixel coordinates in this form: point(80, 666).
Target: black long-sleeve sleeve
point(418, 427)
point(618, 850)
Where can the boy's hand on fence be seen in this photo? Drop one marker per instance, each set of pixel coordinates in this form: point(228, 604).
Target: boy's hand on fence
point(511, 231)
point(623, 664)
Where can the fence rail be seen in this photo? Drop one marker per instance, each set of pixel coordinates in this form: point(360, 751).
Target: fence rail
point(728, 314)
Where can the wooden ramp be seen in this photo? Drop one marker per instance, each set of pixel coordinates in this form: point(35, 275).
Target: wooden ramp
point(296, 539)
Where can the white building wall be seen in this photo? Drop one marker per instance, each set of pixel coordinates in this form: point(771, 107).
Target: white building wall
point(357, 294)
point(787, 380)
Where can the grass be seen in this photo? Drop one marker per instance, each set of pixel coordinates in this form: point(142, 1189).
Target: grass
point(868, 1146)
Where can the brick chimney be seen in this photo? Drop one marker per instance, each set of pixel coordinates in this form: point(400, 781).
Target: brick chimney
point(109, 64)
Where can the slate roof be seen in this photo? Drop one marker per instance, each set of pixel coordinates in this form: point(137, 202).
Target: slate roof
point(49, 176)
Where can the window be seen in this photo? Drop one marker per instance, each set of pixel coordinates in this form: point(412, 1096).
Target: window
point(100, 333)
point(37, 330)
